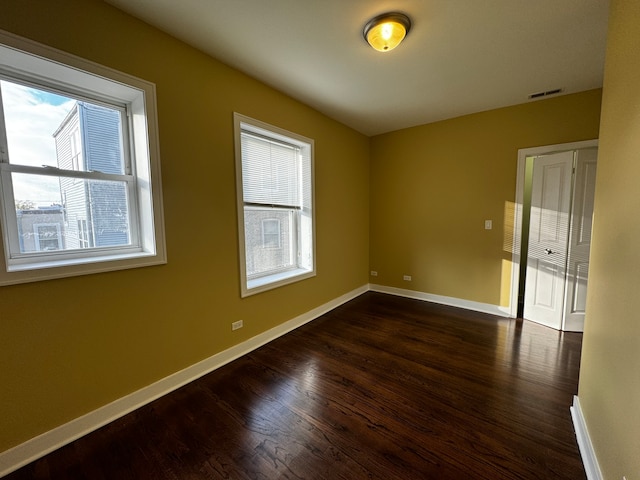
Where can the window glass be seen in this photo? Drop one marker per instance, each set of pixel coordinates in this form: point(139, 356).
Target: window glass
point(32, 116)
point(51, 130)
point(269, 242)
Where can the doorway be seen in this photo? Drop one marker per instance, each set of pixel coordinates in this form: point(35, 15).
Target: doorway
point(550, 275)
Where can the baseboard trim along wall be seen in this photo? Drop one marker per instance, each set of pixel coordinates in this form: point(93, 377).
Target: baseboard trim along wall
point(589, 459)
point(47, 442)
point(449, 301)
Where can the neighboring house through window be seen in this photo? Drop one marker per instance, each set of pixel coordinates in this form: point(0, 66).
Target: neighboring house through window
point(90, 138)
point(40, 228)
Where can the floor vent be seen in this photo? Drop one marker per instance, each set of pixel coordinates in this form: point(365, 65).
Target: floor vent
point(544, 94)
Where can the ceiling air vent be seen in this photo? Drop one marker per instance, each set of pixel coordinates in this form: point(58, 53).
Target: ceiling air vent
point(544, 94)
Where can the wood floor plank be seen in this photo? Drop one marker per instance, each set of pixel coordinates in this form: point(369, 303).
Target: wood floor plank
point(382, 387)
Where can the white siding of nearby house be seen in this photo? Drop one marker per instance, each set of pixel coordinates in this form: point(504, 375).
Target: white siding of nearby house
point(95, 210)
point(102, 139)
point(72, 189)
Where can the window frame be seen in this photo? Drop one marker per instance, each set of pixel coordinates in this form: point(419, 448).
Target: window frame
point(256, 284)
point(27, 62)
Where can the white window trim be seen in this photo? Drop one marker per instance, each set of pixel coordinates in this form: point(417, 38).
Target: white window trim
point(278, 279)
point(97, 81)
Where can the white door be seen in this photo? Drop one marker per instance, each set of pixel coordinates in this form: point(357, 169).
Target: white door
point(580, 240)
point(548, 239)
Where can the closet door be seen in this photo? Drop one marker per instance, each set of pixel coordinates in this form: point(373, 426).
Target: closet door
point(580, 240)
point(548, 239)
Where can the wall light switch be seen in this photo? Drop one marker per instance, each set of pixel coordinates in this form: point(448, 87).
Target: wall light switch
point(488, 224)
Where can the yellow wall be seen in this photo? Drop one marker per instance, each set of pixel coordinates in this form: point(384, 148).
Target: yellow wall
point(72, 345)
point(609, 388)
point(433, 186)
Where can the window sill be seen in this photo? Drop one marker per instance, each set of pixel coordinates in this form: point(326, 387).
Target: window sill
point(276, 280)
point(47, 270)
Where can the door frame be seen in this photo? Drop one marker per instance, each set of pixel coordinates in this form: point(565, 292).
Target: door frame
point(516, 243)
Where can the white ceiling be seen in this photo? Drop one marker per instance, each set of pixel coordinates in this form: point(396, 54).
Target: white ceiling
point(460, 57)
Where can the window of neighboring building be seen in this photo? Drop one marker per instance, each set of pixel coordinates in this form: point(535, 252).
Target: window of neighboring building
point(83, 234)
point(47, 236)
point(274, 171)
point(78, 144)
point(271, 233)
point(76, 159)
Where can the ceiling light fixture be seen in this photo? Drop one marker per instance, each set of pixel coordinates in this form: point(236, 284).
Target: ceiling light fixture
point(386, 31)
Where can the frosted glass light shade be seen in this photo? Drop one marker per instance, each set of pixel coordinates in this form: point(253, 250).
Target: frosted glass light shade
point(385, 32)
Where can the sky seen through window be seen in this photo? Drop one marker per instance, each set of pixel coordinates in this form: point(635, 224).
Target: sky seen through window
point(31, 117)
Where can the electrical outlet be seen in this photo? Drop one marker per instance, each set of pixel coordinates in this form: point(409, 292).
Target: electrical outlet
point(237, 325)
point(407, 278)
point(374, 273)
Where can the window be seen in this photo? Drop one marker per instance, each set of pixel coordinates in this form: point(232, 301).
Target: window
point(79, 167)
point(83, 234)
point(274, 170)
point(47, 236)
point(271, 233)
point(76, 159)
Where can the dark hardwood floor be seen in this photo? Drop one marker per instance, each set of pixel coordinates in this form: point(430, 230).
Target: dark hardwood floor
point(382, 387)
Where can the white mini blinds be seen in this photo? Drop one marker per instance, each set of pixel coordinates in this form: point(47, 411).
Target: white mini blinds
point(270, 171)
point(275, 205)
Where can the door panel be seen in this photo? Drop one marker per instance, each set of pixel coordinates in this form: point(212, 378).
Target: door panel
point(546, 286)
point(580, 239)
point(548, 239)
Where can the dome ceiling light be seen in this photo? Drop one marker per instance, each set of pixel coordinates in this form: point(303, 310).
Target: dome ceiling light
point(386, 31)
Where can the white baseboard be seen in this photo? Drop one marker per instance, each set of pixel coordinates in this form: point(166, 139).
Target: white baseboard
point(20, 455)
point(450, 301)
point(587, 452)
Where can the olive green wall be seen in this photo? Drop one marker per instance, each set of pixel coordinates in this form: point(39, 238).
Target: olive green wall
point(609, 389)
point(72, 345)
point(433, 186)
